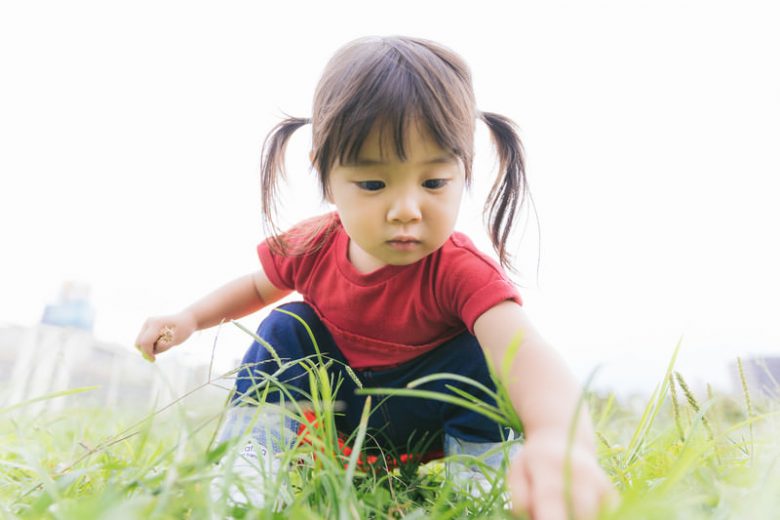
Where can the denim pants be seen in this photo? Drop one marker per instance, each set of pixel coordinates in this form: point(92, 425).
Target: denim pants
point(397, 423)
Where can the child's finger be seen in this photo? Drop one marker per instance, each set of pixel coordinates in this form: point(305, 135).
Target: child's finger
point(164, 338)
point(545, 495)
point(519, 486)
point(145, 352)
point(139, 340)
point(598, 495)
point(585, 503)
point(149, 333)
point(610, 499)
point(587, 493)
point(549, 510)
point(146, 340)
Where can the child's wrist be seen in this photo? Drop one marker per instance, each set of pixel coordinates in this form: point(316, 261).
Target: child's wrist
point(190, 319)
point(581, 440)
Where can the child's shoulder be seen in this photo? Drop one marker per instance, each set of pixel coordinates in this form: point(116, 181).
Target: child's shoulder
point(460, 250)
point(311, 234)
point(315, 225)
point(462, 240)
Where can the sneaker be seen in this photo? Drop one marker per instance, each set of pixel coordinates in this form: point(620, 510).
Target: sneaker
point(471, 477)
point(251, 475)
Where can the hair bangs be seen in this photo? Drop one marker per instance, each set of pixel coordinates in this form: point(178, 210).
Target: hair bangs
point(406, 83)
point(388, 106)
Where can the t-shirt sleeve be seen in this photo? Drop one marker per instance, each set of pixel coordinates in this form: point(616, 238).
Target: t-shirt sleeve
point(292, 271)
point(473, 283)
point(279, 269)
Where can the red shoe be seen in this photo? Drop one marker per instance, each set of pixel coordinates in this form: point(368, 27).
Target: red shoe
point(366, 462)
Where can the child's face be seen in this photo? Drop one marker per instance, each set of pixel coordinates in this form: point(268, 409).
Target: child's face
point(397, 212)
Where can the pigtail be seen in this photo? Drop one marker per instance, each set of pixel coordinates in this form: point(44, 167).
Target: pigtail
point(510, 187)
point(272, 171)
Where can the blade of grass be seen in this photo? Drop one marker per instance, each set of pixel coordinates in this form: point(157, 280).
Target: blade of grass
point(358, 445)
point(271, 350)
point(651, 411)
point(46, 397)
point(568, 488)
point(454, 377)
point(488, 411)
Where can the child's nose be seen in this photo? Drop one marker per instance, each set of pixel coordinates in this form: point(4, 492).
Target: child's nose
point(404, 209)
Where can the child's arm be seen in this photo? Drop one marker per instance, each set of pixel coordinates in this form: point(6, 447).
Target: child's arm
point(545, 395)
point(233, 300)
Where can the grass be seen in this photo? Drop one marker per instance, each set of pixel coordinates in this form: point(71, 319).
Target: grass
point(674, 455)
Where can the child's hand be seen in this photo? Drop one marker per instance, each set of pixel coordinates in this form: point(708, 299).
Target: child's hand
point(537, 486)
point(163, 332)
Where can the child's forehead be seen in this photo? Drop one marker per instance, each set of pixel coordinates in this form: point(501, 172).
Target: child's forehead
point(384, 142)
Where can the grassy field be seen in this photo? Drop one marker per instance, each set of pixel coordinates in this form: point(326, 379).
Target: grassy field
point(671, 455)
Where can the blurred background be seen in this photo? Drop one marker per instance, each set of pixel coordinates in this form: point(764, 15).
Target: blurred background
point(130, 140)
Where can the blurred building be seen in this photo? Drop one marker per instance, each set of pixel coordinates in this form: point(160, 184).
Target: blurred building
point(61, 353)
point(762, 375)
point(73, 308)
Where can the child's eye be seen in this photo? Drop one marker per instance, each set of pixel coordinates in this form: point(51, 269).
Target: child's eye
point(435, 184)
point(370, 185)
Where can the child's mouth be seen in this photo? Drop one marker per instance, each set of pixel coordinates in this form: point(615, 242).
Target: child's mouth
point(404, 244)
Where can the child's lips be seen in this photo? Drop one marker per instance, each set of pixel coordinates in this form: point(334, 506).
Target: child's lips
point(403, 243)
point(404, 238)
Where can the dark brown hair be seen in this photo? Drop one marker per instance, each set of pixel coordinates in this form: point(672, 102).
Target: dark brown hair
point(389, 82)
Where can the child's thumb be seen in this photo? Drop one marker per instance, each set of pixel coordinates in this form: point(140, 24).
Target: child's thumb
point(145, 354)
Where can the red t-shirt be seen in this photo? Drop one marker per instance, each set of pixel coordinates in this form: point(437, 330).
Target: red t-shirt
point(398, 312)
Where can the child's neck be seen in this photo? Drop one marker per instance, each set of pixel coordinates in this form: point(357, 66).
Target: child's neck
point(362, 261)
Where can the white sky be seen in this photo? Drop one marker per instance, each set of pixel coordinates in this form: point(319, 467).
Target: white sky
point(130, 135)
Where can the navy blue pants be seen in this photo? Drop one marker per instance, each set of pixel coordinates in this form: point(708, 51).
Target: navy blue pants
point(405, 423)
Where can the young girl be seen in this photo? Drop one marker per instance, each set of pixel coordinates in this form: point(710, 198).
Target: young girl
point(390, 289)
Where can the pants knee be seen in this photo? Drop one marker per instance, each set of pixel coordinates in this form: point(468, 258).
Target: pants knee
point(285, 340)
point(285, 326)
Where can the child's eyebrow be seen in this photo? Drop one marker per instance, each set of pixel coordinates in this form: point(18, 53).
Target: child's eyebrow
point(439, 159)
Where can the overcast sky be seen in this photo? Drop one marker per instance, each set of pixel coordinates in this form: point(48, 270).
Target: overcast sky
point(130, 137)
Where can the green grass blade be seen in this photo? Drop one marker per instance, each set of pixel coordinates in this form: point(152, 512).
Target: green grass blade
point(455, 377)
point(486, 410)
point(510, 354)
point(271, 350)
point(651, 411)
point(53, 395)
point(358, 445)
